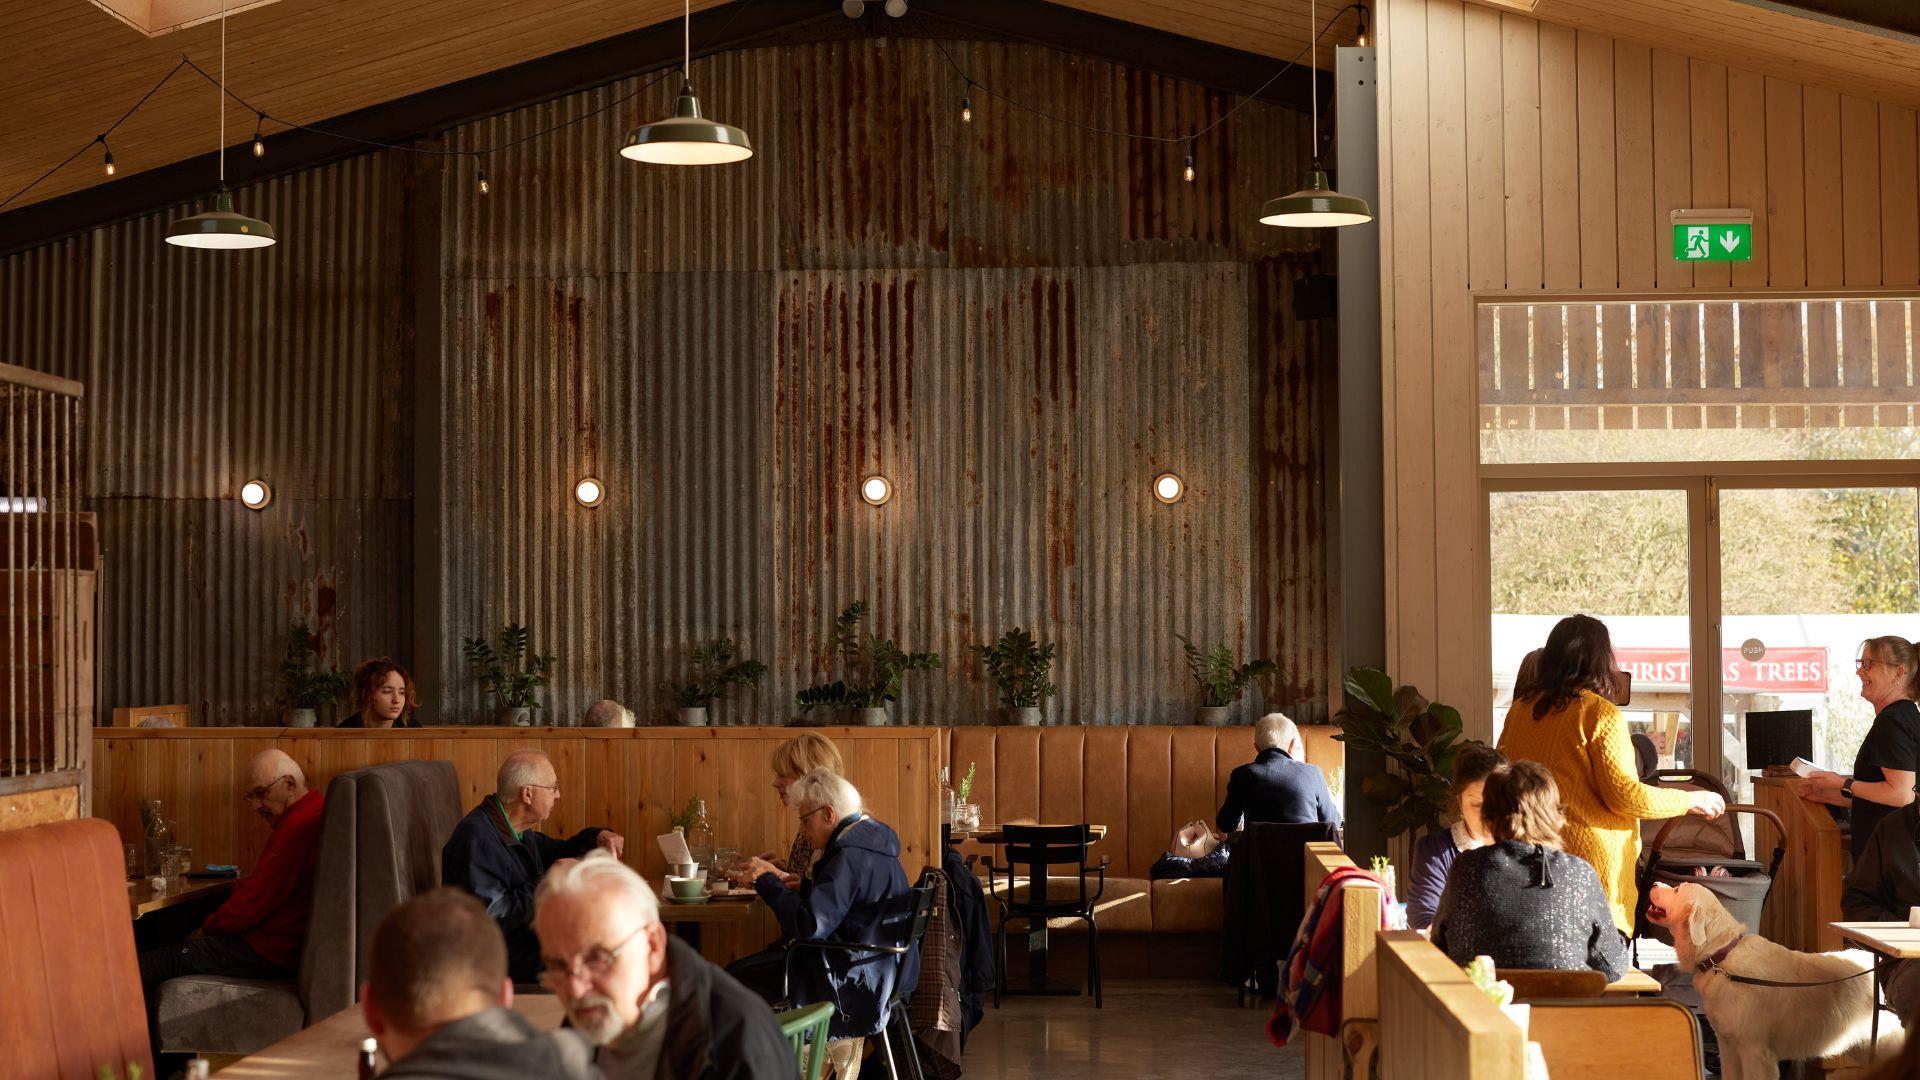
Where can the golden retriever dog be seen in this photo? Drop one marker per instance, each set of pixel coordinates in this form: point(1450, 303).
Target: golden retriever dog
point(1761, 1026)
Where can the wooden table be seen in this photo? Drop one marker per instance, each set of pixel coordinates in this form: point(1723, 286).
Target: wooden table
point(1635, 983)
point(687, 919)
point(1889, 942)
point(331, 1047)
point(1037, 879)
point(145, 899)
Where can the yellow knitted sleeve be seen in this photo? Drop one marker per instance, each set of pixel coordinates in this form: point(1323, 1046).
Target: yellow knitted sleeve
point(1611, 756)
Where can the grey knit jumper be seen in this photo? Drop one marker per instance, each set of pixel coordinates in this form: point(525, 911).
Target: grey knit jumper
point(1528, 907)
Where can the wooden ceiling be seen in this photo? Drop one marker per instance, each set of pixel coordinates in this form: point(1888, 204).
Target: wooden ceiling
point(68, 69)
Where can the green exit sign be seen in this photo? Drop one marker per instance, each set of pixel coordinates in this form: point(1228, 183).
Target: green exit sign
point(1712, 235)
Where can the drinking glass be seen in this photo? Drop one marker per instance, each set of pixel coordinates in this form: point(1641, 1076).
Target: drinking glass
point(178, 861)
point(133, 863)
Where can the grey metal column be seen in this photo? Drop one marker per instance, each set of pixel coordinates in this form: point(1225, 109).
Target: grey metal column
point(425, 180)
point(1358, 555)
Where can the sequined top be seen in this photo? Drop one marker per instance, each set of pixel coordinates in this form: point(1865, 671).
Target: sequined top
point(1528, 906)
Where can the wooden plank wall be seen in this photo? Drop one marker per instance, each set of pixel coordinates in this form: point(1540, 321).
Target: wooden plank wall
point(627, 780)
point(1519, 156)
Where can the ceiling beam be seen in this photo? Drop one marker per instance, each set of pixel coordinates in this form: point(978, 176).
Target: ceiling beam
point(738, 25)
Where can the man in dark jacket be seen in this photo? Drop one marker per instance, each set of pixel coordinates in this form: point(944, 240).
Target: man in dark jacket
point(438, 1000)
point(1277, 786)
point(857, 893)
point(656, 1009)
point(496, 853)
point(1883, 886)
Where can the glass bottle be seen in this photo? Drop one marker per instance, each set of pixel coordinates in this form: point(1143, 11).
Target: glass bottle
point(946, 795)
point(700, 835)
point(159, 838)
point(369, 1059)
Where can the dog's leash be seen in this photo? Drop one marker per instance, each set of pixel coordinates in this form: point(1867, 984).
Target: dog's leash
point(1712, 964)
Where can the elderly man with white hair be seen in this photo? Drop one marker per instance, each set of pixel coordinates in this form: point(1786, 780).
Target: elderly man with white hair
point(607, 713)
point(1278, 785)
point(498, 855)
point(653, 1006)
point(857, 893)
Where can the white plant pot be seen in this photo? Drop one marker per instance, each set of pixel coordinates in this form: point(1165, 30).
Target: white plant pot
point(1213, 716)
point(1025, 716)
point(516, 717)
point(876, 717)
point(299, 718)
point(695, 717)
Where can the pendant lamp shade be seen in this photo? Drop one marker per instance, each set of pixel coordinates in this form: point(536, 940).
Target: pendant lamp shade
point(220, 228)
point(1316, 205)
point(687, 138)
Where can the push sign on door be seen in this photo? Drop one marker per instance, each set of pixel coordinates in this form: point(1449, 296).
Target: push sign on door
point(1712, 235)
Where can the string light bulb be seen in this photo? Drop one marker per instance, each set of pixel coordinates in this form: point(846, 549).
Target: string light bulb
point(107, 158)
point(1187, 173)
point(966, 108)
point(1360, 37)
point(259, 144)
point(485, 187)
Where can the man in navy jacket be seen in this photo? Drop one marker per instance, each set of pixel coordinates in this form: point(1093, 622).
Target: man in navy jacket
point(496, 854)
point(1277, 786)
point(857, 892)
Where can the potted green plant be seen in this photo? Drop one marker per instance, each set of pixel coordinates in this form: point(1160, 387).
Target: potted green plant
point(1019, 666)
point(1221, 682)
point(714, 670)
point(874, 670)
point(513, 673)
point(304, 685)
point(1420, 737)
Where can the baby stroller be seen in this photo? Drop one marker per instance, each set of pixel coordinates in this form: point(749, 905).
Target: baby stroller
point(1694, 849)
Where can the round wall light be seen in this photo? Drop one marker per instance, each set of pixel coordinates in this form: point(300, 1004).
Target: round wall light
point(255, 494)
point(1168, 488)
point(875, 490)
point(589, 491)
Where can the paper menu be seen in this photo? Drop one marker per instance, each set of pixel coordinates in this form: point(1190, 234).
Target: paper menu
point(674, 846)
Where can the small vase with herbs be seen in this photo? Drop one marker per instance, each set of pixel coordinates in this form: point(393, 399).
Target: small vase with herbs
point(716, 669)
point(1019, 666)
point(1221, 682)
point(874, 670)
point(513, 673)
point(305, 686)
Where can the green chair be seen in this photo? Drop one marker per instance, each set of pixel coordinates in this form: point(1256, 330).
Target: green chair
point(806, 1029)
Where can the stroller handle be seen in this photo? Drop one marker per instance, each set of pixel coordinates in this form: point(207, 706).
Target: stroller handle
point(1779, 832)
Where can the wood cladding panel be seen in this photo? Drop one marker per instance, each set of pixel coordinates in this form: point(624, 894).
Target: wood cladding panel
point(1598, 139)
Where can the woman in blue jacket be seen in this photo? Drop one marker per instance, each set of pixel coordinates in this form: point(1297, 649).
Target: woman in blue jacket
point(857, 892)
point(1433, 856)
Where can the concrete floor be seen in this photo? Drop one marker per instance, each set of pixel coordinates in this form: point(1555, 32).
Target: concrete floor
point(1147, 1030)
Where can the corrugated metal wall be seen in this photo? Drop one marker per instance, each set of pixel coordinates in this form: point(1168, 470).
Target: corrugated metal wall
point(1019, 323)
point(204, 370)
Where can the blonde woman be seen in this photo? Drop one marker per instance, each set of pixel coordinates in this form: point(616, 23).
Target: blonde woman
point(792, 760)
point(1889, 757)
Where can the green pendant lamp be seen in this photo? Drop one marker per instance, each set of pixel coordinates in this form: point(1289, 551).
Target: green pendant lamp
point(1317, 204)
point(686, 137)
point(221, 228)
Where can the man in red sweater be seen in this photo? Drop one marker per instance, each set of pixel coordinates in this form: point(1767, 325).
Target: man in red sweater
point(258, 933)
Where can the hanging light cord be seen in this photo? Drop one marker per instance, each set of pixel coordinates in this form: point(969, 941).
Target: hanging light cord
point(220, 149)
point(42, 178)
point(971, 82)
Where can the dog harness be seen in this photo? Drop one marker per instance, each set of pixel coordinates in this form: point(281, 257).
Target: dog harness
point(1712, 964)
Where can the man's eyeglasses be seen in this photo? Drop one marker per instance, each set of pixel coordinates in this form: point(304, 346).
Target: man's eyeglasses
point(254, 795)
point(597, 962)
point(555, 788)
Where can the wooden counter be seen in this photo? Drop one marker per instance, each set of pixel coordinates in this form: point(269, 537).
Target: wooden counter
point(629, 780)
point(1806, 892)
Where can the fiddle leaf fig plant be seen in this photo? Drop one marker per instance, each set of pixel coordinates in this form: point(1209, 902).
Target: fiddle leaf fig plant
point(873, 667)
point(1221, 683)
point(1019, 666)
point(715, 670)
point(514, 672)
point(1420, 737)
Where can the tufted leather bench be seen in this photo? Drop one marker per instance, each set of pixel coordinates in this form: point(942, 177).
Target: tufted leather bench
point(69, 980)
point(379, 845)
point(1141, 782)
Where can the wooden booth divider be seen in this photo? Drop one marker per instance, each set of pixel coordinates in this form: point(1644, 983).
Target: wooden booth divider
point(1359, 973)
point(1806, 891)
point(629, 780)
point(1434, 1023)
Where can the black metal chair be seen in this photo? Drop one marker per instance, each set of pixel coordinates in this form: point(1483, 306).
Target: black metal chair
point(914, 913)
point(1039, 848)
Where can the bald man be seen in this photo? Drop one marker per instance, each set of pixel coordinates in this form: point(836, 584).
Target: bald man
point(260, 930)
point(498, 854)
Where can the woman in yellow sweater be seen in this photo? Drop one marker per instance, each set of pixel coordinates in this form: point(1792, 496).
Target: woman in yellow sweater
point(1568, 725)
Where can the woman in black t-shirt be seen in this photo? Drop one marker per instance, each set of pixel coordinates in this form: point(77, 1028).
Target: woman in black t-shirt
point(1889, 757)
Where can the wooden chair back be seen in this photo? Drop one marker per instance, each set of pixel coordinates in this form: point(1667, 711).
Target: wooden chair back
point(1540, 984)
point(1645, 1038)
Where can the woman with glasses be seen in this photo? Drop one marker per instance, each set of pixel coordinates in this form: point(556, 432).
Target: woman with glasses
point(1889, 757)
